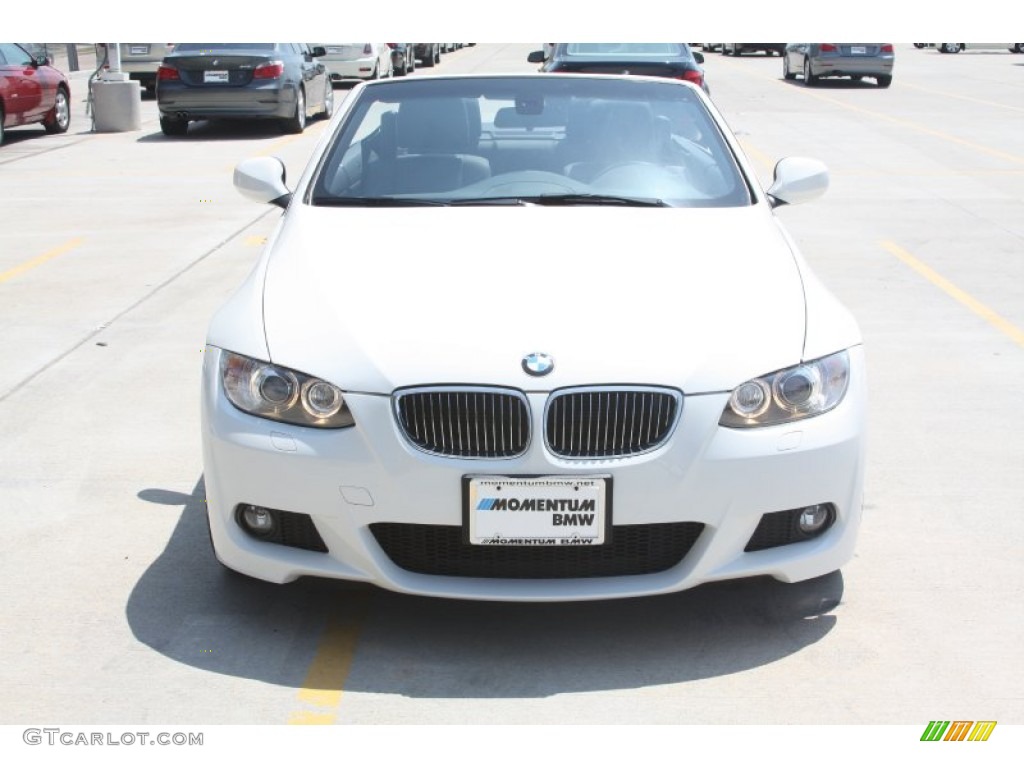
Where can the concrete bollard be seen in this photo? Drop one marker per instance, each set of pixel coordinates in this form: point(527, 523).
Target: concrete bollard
point(116, 104)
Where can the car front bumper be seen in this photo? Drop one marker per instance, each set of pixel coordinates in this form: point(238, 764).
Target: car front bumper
point(351, 479)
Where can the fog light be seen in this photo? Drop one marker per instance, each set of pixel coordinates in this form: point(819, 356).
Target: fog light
point(813, 519)
point(258, 520)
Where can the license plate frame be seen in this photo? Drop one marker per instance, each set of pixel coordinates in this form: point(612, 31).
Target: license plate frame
point(531, 503)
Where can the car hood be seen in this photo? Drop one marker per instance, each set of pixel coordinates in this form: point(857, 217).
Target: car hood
point(375, 299)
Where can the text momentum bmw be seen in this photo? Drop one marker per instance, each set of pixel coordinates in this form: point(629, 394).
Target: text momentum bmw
point(612, 375)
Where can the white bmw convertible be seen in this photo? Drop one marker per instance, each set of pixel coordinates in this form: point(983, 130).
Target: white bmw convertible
point(606, 372)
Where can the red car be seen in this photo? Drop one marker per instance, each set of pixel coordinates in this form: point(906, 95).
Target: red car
point(32, 91)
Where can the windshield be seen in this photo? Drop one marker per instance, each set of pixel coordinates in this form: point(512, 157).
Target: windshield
point(630, 50)
point(224, 47)
point(529, 140)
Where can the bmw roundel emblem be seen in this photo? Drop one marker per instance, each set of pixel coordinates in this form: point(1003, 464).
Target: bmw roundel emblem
point(538, 364)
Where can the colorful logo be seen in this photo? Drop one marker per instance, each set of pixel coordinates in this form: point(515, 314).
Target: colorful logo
point(958, 730)
point(538, 364)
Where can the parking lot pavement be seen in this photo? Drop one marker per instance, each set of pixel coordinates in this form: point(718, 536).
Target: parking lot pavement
point(118, 247)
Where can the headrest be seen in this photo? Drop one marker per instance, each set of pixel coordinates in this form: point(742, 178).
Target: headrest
point(436, 126)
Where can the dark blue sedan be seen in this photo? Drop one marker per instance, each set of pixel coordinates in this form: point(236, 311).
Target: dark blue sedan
point(267, 81)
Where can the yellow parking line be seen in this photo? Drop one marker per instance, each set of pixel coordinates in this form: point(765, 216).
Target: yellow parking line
point(997, 153)
point(971, 99)
point(988, 315)
point(761, 158)
point(21, 268)
point(320, 695)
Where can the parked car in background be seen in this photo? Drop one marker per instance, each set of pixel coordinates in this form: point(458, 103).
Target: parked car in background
point(957, 47)
point(253, 81)
point(142, 60)
point(429, 54)
point(403, 59)
point(814, 61)
point(620, 417)
point(737, 49)
point(32, 91)
point(674, 60)
point(357, 61)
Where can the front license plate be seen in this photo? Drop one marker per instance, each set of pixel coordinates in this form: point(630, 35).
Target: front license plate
point(139, 50)
point(553, 511)
point(858, 50)
point(215, 76)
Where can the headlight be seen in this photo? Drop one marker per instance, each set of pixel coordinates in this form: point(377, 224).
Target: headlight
point(278, 393)
point(805, 390)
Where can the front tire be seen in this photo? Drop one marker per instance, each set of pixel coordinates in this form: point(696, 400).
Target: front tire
point(60, 118)
point(950, 47)
point(297, 122)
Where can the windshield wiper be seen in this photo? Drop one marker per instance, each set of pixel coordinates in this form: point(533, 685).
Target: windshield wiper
point(567, 198)
point(375, 202)
point(513, 200)
point(580, 198)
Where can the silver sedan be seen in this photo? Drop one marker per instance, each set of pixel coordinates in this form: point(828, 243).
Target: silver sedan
point(814, 61)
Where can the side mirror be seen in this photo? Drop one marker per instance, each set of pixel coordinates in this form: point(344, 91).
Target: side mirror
point(798, 180)
point(535, 57)
point(263, 179)
point(698, 57)
point(41, 60)
point(319, 51)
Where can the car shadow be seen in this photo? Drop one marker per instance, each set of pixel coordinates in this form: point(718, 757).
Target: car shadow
point(836, 83)
point(23, 133)
point(222, 130)
point(187, 607)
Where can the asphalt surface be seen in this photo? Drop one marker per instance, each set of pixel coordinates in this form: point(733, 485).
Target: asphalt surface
point(117, 248)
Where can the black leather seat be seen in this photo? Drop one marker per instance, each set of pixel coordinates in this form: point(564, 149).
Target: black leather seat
point(437, 144)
